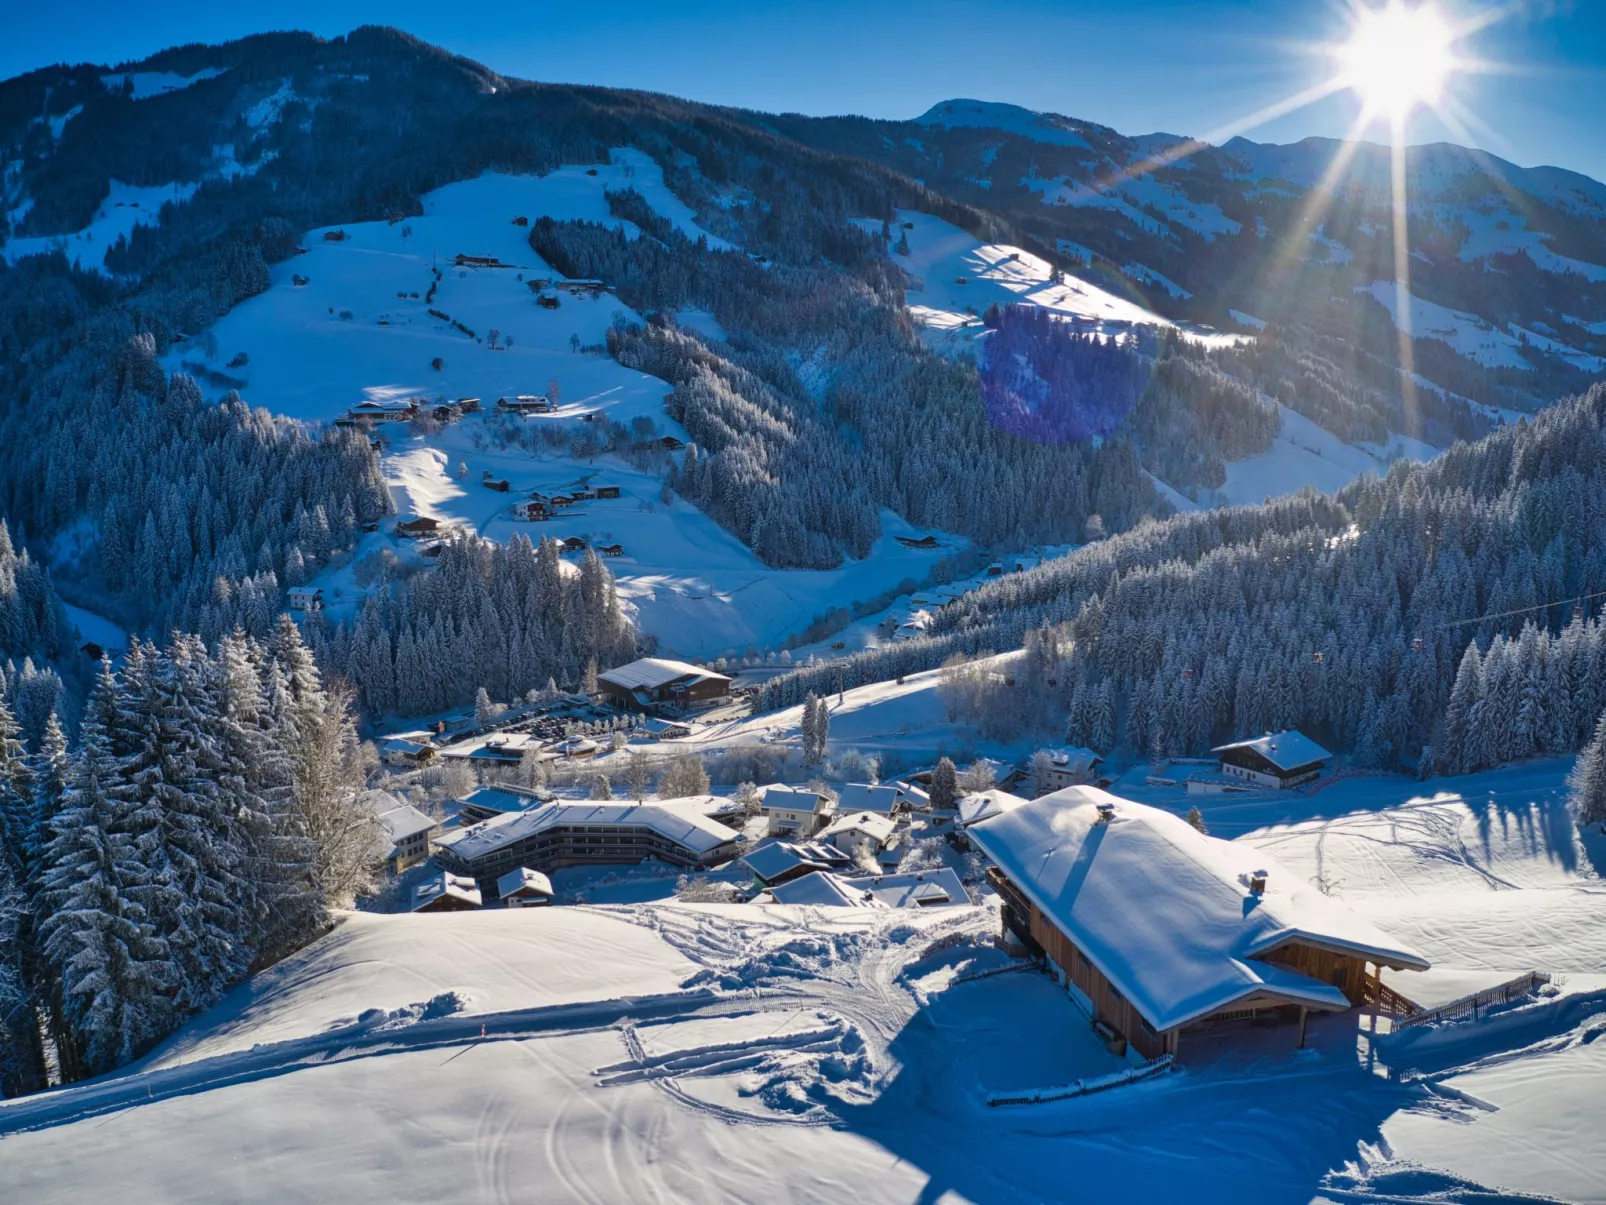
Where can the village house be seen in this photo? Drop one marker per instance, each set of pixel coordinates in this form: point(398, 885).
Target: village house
point(500, 484)
point(883, 799)
point(859, 834)
point(607, 491)
point(502, 748)
point(641, 685)
point(1056, 769)
point(524, 888)
point(446, 893)
point(407, 831)
point(407, 749)
point(1278, 759)
point(306, 598)
point(391, 411)
point(1161, 931)
point(587, 833)
point(581, 288)
point(782, 861)
point(572, 544)
point(794, 811)
point(531, 512)
point(478, 261)
point(611, 549)
point(940, 888)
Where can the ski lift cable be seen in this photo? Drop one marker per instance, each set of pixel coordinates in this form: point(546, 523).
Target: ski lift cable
point(1560, 602)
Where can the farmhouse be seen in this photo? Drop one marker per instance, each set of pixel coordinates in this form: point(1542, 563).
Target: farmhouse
point(607, 491)
point(587, 833)
point(478, 261)
point(611, 549)
point(782, 861)
point(794, 811)
point(524, 403)
point(1278, 759)
point(446, 893)
point(653, 680)
point(581, 288)
point(572, 544)
point(531, 512)
point(418, 527)
point(1162, 930)
point(306, 598)
point(524, 888)
point(371, 411)
point(500, 484)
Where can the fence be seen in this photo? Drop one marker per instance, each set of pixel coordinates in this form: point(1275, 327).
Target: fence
point(1501, 994)
point(1084, 1087)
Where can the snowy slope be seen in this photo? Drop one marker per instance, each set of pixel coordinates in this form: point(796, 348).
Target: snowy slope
point(1010, 119)
point(125, 207)
point(819, 1055)
point(1470, 335)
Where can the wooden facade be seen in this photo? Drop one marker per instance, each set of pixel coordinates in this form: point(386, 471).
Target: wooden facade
point(1350, 973)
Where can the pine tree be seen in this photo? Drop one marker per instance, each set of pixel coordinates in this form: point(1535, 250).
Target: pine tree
point(1196, 819)
point(115, 973)
point(1587, 782)
point(944, 786)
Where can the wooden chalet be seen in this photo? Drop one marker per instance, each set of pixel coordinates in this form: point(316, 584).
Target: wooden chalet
point(572, 544)
point(447, 893)
point(525, 403)
point(671, 444)
point(1278, 759)
point(607, 491)
point(927, 541)
point(611, 549)
point(499, 484)
point(531, 512)
point(581, 288)
point(548, 301)
point(478, 261)
point(418, 528)
point(524, 888)
point(1160, 931)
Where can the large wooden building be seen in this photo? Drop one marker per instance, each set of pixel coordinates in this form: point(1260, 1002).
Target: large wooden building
point(1161, 930)
point(1278, 759)
point(550, 836)
point(653, 681)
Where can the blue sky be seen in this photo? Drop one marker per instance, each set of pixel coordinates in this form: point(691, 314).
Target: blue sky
point(1183, 66)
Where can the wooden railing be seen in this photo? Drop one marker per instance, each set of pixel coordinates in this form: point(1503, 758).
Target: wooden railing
point(1503, 993)
point(1390, 1001)
point(1010, 893)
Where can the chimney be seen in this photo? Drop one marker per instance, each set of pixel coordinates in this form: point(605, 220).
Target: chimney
point(1106, 812)
point(1257, 882)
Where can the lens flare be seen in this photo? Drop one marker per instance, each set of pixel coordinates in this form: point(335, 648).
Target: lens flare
point(1399, 56)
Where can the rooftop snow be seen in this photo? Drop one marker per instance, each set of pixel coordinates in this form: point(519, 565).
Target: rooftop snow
point(877, 827)
point(866, 797)
point(405, 821)
point(443, 884)
point(685, 825)
point(1287, 750)
point(939, 888)
point(1165, 912)
point(652, 672)
point(771, 861)
point(520, 879)
point(799, 799)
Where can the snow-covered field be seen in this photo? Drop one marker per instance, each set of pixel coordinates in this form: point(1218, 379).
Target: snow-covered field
point(738, 1053)
point(960, 277)
point(355, 330)
point(125, 207)
point(1471, 336)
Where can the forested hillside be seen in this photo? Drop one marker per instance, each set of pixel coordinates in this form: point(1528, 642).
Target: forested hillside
point(1443, 617)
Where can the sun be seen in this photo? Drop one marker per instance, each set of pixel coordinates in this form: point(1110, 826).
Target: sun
point(1399, 56)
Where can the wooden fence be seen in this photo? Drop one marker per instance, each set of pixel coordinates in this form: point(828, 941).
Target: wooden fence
point(1503, 993)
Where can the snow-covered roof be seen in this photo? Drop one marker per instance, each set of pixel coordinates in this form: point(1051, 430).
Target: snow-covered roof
point(1286, 750)
point(405, 742)
point(457, 886)
point(794, 799)
point(522, 879)
point(1165, 912)
point(649, 673)
point(982, 805)
point(686, 825)
point(1073, 759)
point(878, 828)
point(405, 821)
point(939, 888)
point(863, 797)
point(770, 862)
point(503, 799)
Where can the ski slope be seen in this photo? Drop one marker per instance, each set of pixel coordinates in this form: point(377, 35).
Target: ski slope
point(957, 277)
point(738, 1053)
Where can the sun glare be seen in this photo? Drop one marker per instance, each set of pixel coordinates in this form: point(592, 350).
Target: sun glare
point(1399, 56)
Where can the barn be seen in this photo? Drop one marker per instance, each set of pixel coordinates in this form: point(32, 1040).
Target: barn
point(1161, 931)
